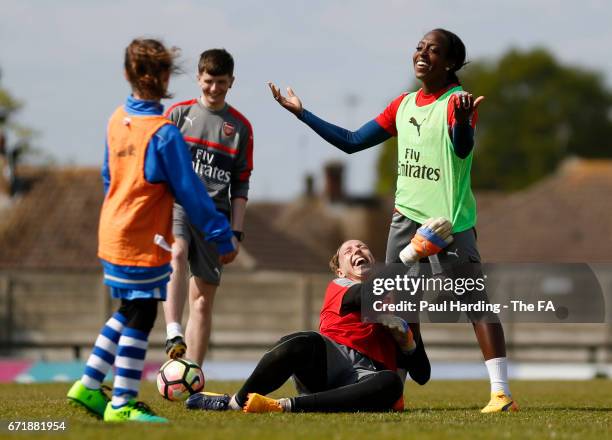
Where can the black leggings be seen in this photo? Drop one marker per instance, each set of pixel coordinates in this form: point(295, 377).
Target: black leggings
point(304, 354)
point(139, 313)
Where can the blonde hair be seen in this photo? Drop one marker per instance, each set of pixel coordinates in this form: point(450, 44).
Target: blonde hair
point(334, 262)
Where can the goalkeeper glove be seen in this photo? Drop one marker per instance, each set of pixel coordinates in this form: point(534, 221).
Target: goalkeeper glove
point(433, 236)
point(400, 330)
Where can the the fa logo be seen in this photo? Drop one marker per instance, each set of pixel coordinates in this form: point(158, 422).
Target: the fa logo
point(229, 129)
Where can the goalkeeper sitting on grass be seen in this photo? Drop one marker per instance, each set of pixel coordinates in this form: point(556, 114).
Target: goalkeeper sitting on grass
point(349, 365)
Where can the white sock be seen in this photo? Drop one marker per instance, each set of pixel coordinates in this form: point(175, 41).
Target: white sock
point(234, 404)
point(119, 401)
point(285, 403)
point(402, 373)
point(173, 330)
point(498, 374)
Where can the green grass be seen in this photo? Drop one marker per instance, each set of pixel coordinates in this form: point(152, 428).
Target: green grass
point(441, 409)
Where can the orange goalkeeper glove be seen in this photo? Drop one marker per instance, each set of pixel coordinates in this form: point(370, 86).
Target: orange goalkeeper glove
point(433, 236)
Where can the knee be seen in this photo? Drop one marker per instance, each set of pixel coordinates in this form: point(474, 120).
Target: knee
point(392, 385)
point(313, 339)
point(140, 314)
point(199, 305)
point(300, 342)
point(297, 345)
point(180, 253)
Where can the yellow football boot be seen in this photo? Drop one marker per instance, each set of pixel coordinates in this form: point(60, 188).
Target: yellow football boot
point(500, 402)
point(256, 403)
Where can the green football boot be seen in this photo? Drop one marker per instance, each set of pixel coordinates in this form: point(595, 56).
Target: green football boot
point(94, 401)
point(133, 411)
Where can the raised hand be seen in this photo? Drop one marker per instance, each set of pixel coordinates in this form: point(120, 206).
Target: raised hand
point(291, 102)
point(465, 105)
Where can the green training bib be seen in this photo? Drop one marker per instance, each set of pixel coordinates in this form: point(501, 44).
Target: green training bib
point(432, 181)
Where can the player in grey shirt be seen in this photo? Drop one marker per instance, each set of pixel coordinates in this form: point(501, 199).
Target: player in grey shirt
point(221, 143)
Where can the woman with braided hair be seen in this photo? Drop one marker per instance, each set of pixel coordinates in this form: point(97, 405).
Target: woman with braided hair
point(435, 131)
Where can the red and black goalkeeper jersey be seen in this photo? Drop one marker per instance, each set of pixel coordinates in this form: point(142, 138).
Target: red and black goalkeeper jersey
point(371, 340)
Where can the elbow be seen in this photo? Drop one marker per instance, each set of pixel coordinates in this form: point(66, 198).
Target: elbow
point(351, 147)
point(463, 151)
point(345, 148)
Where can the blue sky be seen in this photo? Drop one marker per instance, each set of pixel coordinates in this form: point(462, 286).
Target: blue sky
point(63, 60)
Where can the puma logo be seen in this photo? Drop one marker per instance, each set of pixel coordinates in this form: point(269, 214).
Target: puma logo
point(416, 124)
point(455, 253)
point(190, 120)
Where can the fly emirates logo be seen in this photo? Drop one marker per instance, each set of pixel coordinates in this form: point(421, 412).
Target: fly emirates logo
point(409, 166)
point(203, 166)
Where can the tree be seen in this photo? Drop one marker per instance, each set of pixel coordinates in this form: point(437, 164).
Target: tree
point(386, 167)
point(536, 113)
point(10, 155)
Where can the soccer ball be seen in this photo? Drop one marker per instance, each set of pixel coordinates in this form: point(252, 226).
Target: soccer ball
point(179, 378)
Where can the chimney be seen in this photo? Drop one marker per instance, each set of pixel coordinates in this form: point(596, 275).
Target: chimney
point(8, 167)
point(334, 190)
point(309, 186)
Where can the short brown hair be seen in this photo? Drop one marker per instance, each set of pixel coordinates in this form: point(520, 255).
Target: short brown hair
point(216, 62)
point(334, 262)
point(147, 64)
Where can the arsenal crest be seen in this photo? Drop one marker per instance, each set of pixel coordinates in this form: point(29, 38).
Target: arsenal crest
point(229, 129)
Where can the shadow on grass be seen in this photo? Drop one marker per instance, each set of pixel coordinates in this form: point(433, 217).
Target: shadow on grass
point(522, 409)
point(449, 409)
point(577, 408)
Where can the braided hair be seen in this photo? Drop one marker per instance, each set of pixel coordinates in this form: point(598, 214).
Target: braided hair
point(148, 64)
point(455, 52)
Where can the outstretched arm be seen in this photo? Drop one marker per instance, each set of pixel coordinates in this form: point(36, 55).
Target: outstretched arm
point(367, 136)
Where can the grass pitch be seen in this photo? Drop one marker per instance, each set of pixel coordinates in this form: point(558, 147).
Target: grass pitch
point(441, 409)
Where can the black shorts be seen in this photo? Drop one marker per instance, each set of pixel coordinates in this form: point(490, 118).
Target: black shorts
point(345, 366)
point(460, 259)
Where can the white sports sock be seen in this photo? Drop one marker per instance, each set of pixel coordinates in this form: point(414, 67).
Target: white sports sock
point(173, 330)
point(119, 401)
point(234, 405)
point(498, 374)
point(285, 403)
point(402, 373)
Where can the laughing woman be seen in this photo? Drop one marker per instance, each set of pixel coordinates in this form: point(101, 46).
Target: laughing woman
point(435, 131)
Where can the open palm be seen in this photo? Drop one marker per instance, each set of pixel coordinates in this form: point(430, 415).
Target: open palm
point(291, 102)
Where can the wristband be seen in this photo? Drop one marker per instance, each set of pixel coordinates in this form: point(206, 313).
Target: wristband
point(239, 235)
